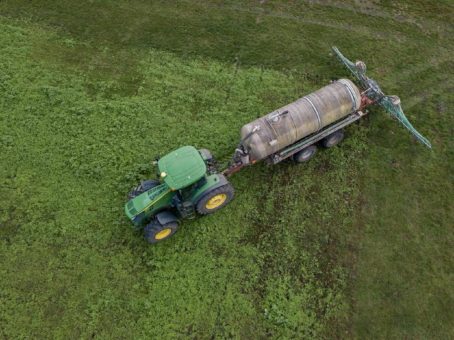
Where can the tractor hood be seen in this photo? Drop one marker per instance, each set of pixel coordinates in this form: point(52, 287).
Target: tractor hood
point(182, 167)
point(146, 201)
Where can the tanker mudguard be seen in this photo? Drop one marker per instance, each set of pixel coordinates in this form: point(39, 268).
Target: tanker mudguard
point(166, 217)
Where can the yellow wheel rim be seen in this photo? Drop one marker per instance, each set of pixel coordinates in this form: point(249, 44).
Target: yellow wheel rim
point(163, 234)
point(215, 201)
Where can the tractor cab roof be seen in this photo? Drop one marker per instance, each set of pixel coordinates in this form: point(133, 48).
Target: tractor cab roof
point(182, 167)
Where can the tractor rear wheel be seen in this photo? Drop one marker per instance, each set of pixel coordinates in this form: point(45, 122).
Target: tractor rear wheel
point(142, 187)
point(155, 232)
point(215, 199)
point(333, 139)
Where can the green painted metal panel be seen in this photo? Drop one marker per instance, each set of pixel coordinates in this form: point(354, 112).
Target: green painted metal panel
point(212, 181)
point(149, 202)
point(182, 167)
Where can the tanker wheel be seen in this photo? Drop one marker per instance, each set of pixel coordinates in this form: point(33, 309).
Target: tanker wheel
point(142, 187)
point(215, 199)
point(155, 232)
point(333, 139)
point(305, 154)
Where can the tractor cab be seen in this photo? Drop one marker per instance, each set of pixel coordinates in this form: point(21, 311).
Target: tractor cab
point(181, 168)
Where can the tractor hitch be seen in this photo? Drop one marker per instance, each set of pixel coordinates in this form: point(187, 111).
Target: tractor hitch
point(240, 159)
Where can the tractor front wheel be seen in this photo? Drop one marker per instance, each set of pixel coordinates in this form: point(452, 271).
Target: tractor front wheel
point(215, 199)
point(156, 232)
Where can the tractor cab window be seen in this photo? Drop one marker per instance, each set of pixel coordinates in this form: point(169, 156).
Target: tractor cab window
point(187, 192)
point(201, 182)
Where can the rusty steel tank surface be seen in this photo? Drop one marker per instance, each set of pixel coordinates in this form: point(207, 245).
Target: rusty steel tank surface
point(307, 115)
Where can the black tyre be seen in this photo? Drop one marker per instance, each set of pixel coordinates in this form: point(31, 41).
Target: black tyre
point(155, 232)
point(215, 199)
point(305, 154)
point(142, 187)
point(333, 139)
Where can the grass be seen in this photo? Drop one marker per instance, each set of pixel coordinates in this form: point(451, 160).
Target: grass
point(356, 243)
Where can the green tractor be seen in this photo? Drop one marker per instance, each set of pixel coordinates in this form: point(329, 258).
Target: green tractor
point(188, 184)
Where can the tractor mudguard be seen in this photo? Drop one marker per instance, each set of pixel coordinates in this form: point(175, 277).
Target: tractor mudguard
point(212, 182)
point(166, 217)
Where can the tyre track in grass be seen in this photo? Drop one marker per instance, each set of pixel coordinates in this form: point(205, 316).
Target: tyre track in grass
point(371, 9)
point(445, 85)
point(261, 12)
point(305, 234)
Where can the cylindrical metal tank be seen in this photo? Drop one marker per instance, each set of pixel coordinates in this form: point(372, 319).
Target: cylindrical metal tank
point(282, 127)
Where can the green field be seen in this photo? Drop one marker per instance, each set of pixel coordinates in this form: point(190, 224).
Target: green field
point(356, 243)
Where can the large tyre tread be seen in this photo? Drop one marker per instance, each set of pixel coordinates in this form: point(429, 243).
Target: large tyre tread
point(306, 154)
point(333, 139)
point(225, 189)
point(154, 227)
